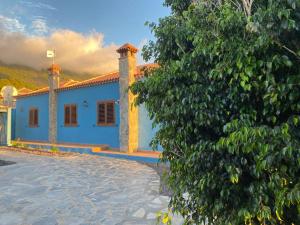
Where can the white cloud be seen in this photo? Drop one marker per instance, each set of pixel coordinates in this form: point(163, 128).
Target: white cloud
point(39, 5)
point(39, 26)
point(11, 24)
point(75, 51)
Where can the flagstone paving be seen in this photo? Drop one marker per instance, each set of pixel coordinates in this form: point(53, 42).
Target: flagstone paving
point(80, 189)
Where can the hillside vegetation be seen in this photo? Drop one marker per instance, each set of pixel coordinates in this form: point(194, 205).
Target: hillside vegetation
point(22, 76)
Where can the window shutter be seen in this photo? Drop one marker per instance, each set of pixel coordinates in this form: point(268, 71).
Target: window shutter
point(106, 113)
point(36, 117)
point(30, 117)
point(70, 115)
point(33, 117)
point(67, 115)
point(101, 113)
point(110, 113)
point(73, 114)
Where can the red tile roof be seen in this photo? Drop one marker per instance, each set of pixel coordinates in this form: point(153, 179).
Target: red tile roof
point(68, 83)
point(40, 91)
point(127, 47)
point(99, 80)
point(140, 69)
point(103, 79)
point(24, 91)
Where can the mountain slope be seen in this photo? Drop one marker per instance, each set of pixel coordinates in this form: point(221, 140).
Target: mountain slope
point(22, 76)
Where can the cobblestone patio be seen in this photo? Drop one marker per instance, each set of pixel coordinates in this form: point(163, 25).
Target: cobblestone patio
point(81, 189)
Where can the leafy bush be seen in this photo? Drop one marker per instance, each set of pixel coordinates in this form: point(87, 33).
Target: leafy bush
point(227, 101)
point(54, 149)
point(19, 145)
point(14, 144)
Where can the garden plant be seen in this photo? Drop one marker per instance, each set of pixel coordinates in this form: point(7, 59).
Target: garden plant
point(226, 100)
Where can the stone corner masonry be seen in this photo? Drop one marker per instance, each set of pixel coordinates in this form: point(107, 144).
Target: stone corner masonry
point(128, 132)
point(53, 76)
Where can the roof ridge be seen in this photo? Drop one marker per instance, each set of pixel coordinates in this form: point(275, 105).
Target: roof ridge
point(24, 88)
point(39, 89)
point(106, 74)
point(111, 77)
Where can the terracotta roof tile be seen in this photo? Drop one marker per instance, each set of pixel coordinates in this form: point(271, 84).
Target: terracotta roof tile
point(24, 91)
point(141, 68)
point(68, 83)
point(102, 79)
point(107, 78)
point(127, 47)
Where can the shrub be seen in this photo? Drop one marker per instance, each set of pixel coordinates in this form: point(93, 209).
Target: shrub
point(14, 144)
point(21, 145)
point(54, 149)
point(227, 101)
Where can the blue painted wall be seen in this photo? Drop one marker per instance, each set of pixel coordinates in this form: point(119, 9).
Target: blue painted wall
point(22, 129)
point(87, 131)
point(146, 132)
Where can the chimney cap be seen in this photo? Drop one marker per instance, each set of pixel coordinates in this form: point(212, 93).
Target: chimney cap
point(54, 69)
point(127, 47)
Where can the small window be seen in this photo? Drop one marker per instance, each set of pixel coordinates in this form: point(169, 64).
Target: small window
point(106, 113)
point(33, 117)
point(71, 115)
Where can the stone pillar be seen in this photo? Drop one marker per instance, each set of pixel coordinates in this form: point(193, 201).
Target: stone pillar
point(128, 113)
point(53, 76)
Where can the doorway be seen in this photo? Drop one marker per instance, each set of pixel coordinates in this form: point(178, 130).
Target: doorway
point(3, 128)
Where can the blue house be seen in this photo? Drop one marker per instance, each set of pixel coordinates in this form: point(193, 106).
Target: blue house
point(95, 112)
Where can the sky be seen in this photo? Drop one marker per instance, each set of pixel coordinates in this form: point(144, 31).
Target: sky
point(84, 33)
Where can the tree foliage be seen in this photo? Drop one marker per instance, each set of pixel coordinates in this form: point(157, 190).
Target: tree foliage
point(227, 101)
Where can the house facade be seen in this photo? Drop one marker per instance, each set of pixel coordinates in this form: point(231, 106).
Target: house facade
point(97, 111)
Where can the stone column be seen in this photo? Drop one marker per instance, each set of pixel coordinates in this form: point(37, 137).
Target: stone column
point(53, 77)
point(128, 131)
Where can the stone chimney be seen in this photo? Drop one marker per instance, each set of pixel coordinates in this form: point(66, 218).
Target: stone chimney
point(128, 113)
point(53, 76)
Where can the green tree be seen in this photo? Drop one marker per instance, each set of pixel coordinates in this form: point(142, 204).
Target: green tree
point(227, 101)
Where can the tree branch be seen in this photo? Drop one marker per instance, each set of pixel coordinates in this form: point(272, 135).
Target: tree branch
point(247, 5)
point(288, 49)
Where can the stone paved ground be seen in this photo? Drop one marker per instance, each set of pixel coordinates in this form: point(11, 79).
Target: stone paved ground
point(80, 189)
